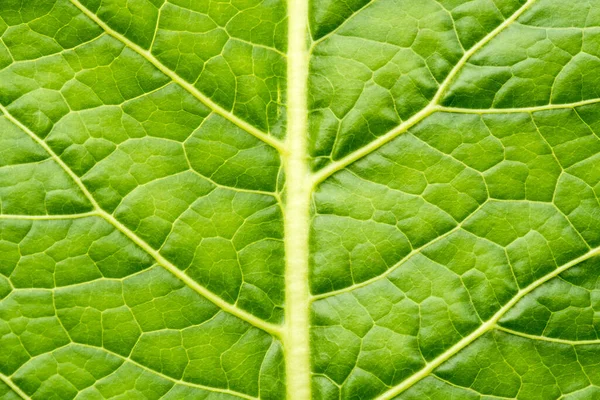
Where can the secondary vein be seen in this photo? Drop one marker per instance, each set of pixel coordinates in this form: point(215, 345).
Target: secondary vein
point(49, 217)
point(533, 109)
point(277, 144)
point(403, 260)
point(485, 327)
point(547, 339)
point(432, 107)
point(14, 387)
point(167, 377)
point(218, 301)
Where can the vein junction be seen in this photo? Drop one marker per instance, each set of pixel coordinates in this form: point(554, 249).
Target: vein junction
point(349, 301)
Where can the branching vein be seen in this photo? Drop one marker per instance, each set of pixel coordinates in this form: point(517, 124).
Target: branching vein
point(170, 378)
point(13, 387)
point(184, 84)
point(48, 217)
point(517, 110)
point(485, 327)
point(547, 339)
point(425, 112)
point(219, 302)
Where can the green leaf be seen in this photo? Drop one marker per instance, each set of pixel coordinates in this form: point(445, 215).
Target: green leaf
point(328, 200)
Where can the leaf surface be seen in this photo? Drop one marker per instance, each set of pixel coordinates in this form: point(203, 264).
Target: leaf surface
point(389, 199)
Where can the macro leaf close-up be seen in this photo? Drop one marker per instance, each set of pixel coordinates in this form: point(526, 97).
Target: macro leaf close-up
point(300, 199)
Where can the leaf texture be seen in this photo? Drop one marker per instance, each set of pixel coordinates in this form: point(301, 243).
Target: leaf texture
point(326, 199)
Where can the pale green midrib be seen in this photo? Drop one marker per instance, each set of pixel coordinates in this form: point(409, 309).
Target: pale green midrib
point(484, 328)
point(296, 214)
point(304, 189)
point(276, 143)
point(432, 107)
point(14, 387)
point(546, 338)
point(218, 301)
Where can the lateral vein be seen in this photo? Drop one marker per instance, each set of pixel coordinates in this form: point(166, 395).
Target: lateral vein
point(432, 107)
point(14, 387)
point(484, 328)
point(277, 144)
point(153, 371)
point(546, 107)
point(547, 339)
point(395, 266)
point(48, 217)
point(340, 26)
point(218, 301)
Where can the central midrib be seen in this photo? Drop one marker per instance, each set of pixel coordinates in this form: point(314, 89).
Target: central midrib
point(296, 208)
point(300, 184)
